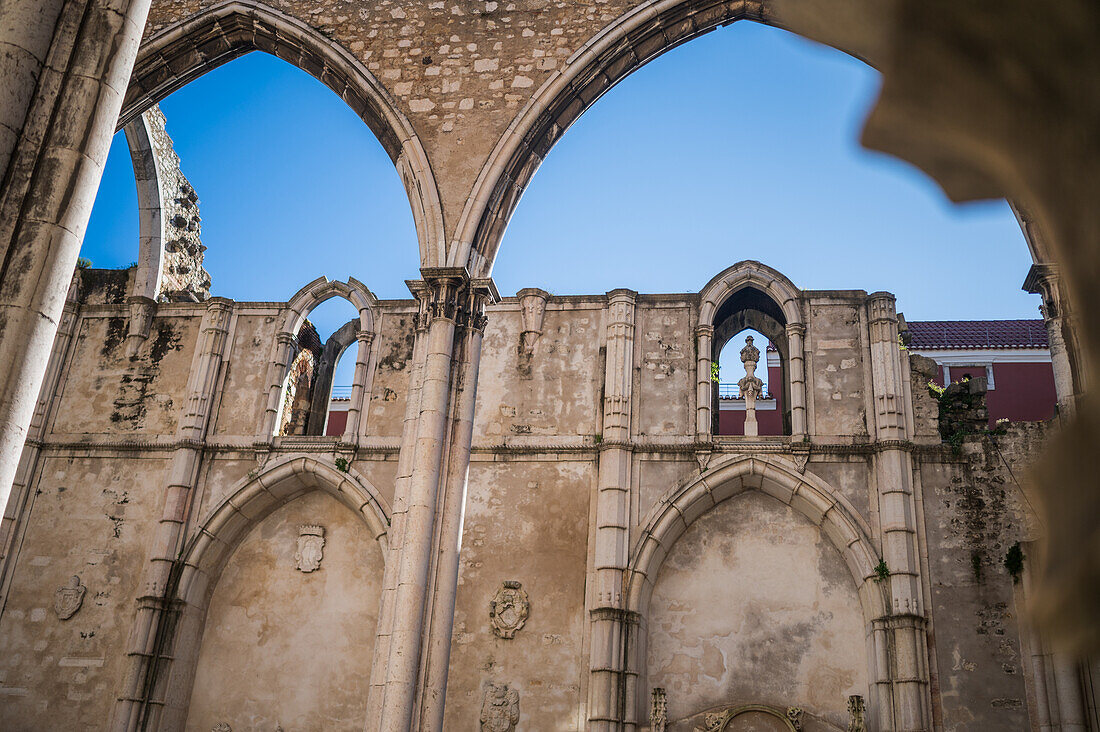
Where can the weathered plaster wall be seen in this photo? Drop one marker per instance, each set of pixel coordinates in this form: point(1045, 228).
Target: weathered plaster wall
point(753, 605)
point(665, 357)
point(974, 512)
point(283, 647)
point(525, 521)
point(835, 372)
point(244, 397)
point(105, 392)
point(93, 517)
point(559, 394)
point(386, 409)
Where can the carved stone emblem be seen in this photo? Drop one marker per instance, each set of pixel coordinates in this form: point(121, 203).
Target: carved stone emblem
point(508, 609)
point(499, 708)
point(794, 716)
point(856, 714)
point(221, 727)
point(658, 712)
point(68, 599)
point(311, 543)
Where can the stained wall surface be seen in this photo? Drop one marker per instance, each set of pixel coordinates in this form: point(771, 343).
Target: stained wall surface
point(753, 605)
point(271, 626)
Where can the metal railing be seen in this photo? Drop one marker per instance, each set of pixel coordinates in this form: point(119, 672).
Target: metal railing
point(341, 392)
point(730, 390)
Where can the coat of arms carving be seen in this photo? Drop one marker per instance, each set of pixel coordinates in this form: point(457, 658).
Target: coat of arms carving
point(508, 609)
point(68, 599)
point(311, 544)
point(499, 708)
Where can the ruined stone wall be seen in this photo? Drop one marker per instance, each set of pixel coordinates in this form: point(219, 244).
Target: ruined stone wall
point(530, 518)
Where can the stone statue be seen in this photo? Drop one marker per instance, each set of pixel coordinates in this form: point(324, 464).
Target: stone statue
point(311, 544)
point(499, 708)
point(751, 387)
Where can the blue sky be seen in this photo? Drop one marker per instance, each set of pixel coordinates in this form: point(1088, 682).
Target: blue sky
point(742, 144)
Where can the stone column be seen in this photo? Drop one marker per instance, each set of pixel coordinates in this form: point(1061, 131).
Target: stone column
point(410, 599)
point(453, 500)
point(796, 344)
point(609, 620)
point(149, 648)
point(64, 67)
point(1043, 280)
point(15, 517)
point(704, 392)
point(905, 626)
point(285, 347)
point(400, 505)
point(360, 389)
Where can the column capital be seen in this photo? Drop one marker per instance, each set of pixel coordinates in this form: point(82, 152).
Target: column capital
point(795, 329)
point(704, 330)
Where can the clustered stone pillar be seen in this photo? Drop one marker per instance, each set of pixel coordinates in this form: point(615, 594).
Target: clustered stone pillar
point(1043, 280)
point(22, 497)
point(796, 340)
point(428, 507)
point(149, 650)
point(608, 706)
point(453, 499)
point(64, 67)
point(901, 665)
point(360, 385)
point(704, 397)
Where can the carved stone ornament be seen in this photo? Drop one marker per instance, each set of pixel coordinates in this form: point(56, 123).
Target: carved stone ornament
point(800, 461)
point(311, 544)
point(658, 711)
point(508, 609)
point(856, 714)
point(68, 599)
point(721, 721)
point(221, 727)
point(794, 716)
point(499, 708)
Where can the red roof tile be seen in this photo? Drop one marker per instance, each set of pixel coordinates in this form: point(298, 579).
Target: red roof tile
point(948, 334)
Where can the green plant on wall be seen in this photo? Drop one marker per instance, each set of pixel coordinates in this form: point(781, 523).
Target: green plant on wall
point(714, 371)
point(882, 572)
point(342, 464)
point(1014, 562)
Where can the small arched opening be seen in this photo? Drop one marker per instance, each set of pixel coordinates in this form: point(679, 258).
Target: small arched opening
point(750, 314)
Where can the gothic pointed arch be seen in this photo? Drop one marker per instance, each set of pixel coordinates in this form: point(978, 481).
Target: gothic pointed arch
point(649, 29)
point(807, 494)
point(184, 51)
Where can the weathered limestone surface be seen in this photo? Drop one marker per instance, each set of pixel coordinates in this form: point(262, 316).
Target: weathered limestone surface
point(276, 636)
point(796, 640)
point(589, 484)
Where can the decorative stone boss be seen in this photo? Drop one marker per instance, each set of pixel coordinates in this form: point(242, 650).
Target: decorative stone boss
point(751, 387)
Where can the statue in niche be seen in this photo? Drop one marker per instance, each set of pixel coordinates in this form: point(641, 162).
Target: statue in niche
point(508, 610)
point(751, 387)
point(856, 714)
point(658, 712)
point(68, 599)
point(499, 708)
point(311, 543)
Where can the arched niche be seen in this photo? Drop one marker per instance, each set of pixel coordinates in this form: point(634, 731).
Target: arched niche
point(286, 348)
point(284, 647)
point(751, 295)
point(157, 689)
point(807, 503)
point(184, 51)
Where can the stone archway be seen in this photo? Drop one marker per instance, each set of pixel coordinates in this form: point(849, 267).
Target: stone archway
point(184, 51)
point(811, 498)
point(158, 687)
